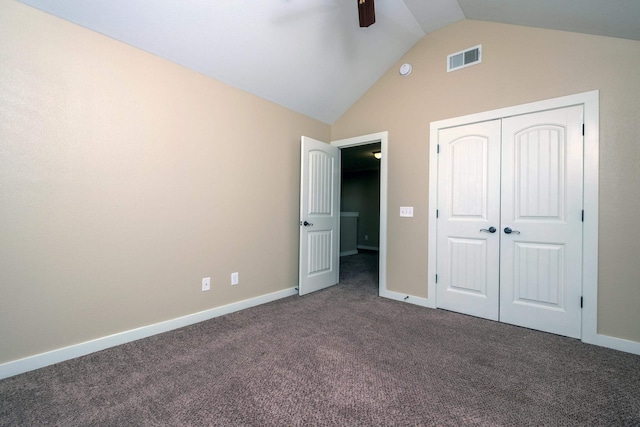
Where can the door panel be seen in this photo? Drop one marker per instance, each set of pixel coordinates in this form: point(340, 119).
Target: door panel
point(539, 172)
point(541, 261)
point(321, 166)
point(469, 205)
point(319, 215)
point(468, 262)
point(468, 163)
point(319, 251)
point(539, 275)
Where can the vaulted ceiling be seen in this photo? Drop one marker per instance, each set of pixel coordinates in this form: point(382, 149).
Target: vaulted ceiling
point(310, 55)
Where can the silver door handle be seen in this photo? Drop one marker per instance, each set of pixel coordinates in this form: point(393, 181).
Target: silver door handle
point(489, 230)
point(508, 230)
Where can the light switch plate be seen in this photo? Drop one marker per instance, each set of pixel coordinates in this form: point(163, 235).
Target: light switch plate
point(206, 284)
point(406, 211)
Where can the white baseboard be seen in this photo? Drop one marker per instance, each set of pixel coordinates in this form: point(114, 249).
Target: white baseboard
point(614, 343)
point(37, 361)
point(423, 302)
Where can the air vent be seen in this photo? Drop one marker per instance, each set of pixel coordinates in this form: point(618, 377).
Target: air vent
point(464, 58)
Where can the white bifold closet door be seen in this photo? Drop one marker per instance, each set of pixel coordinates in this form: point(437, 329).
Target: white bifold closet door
point(509, 243)
point(468, 208)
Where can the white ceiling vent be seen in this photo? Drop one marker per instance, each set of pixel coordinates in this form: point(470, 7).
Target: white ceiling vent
point(464, 58)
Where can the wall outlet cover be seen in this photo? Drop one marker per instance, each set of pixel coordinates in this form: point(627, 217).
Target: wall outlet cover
point(234, 278)
point(206, 284)
point(406, 211)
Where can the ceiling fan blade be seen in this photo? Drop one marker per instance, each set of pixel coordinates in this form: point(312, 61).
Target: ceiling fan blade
point(366, 12)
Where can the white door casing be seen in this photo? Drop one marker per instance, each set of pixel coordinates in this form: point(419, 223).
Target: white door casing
point(525, 181)
point(591, 104)
point(319, 215)
point(541, 260)
point(383, 139)
point(468, 219)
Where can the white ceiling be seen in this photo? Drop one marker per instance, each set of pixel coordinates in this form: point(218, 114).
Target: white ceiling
point(310, 55)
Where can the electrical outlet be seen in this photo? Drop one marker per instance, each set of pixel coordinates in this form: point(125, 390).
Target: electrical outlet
point(366, 237)
point(406, 211)
point(234, 278)
point(206, 284)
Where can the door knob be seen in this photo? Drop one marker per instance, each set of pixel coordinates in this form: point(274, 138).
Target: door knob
point(508, 230)
point(489, 230)
point(307, 224)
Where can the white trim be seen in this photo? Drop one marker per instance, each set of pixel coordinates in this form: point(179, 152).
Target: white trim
point(620, 344)
point(590, 101)
point(383, 138)
point(37, 361)
point(432, 228)
point(516, 110)
point(590, 227)
point(423, 302)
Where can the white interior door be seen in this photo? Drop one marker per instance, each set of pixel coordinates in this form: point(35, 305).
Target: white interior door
point(541, 259)
point(319, 215)
point(468, 219)
point(523, 176)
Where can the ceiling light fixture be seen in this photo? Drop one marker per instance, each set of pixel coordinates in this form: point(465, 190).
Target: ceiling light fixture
point(377, 154)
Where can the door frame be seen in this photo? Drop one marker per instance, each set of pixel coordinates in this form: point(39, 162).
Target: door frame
point(590, 103)
point(383, 139)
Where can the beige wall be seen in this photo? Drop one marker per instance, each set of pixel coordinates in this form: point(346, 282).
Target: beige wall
point(126, 179)
point(519, 65)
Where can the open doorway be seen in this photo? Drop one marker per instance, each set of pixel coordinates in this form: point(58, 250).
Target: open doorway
point(360, 216)
point(319, 219)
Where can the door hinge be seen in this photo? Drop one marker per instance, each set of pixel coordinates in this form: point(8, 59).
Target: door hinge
point(437, 213)
point(436, 278)
point(583, 129)
point(581, 301)
point(438, 149)
point(582, 215)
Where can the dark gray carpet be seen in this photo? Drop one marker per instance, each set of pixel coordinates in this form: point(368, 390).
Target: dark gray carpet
point(343, 357)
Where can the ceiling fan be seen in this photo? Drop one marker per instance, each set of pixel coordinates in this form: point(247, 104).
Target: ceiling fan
point(366, 12)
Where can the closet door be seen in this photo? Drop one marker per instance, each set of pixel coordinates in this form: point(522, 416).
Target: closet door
point(541, 229)
point(468, 239)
